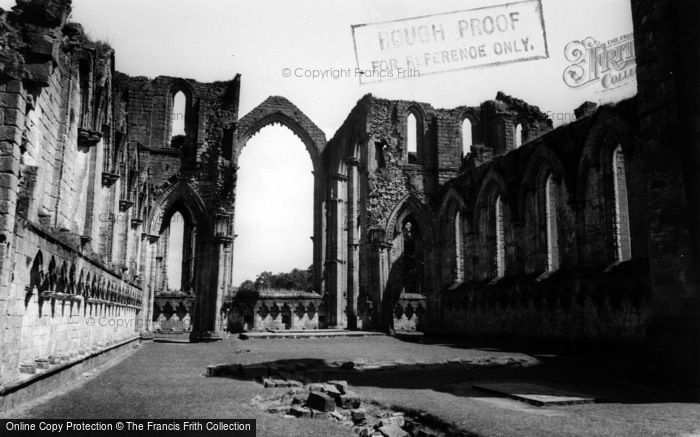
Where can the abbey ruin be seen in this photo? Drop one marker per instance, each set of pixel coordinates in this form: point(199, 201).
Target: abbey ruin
point(480, 220)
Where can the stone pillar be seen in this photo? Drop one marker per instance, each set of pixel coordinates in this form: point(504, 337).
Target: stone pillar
point(353, 279)
point(335, 262)
point(12, 98)
point(378, 258)
point(149, 277)
point(212, 279)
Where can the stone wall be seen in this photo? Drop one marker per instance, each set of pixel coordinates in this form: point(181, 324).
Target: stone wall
point(275, 309)
point(667, 41)
point(455, 285)
point(585, 231)
point(61, 294)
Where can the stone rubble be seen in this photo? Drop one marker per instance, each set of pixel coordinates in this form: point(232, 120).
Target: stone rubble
point(333, 401)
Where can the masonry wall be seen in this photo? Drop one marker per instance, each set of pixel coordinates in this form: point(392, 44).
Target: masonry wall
point(666, 46)
point(61, 296)
point(591, 293)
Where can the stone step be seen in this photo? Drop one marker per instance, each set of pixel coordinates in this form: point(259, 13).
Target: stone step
point(309, 333)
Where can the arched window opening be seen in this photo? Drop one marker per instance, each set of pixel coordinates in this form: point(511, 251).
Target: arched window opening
point(176, 236)
point(500, 241)
point(412, 257)
point(551, 223)
point(459, 247)
point(177, 119)
point(412, 136)
point(621, 223)
point(227, 144)
point(274, 207)
point(518, 135)
point(466, 136)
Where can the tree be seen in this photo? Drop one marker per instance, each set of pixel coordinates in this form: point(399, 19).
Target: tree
point(247, 285)
point(263, 281)
point(297, 279)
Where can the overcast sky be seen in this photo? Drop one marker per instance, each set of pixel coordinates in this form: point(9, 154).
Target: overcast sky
point(210, 40)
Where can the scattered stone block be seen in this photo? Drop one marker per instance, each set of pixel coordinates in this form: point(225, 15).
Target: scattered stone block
point(316, 414)
point(331, 391)
point(277, 409)
point(367, 432)
point(299, 399)
point(320, 401)
point(341, 386)
point(336, 415)
point(393, 420)
point(42, 363)
point(268, 383)
point(294, 383)
point(392, 431)
point(27, 368)
point(281, 383)
point(298, 411)
point(349, 401)
point(317, 387)
point(358, 417)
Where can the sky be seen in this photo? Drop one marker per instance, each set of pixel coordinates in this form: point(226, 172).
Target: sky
point(210, 40)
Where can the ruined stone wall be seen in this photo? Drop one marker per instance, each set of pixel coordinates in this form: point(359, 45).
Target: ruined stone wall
point(191, 174)
point(591, 294)
point(394, 181)
point(61, 297)
point(666, 39)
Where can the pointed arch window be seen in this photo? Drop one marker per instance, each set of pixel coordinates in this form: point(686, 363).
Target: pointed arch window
point(459, 247)
point(551, 223)
point(412, 137)
point(499, 240)
point(467, 138)
point(412, 257)
point(621, 223)
point(518, 135)
point(177, 118)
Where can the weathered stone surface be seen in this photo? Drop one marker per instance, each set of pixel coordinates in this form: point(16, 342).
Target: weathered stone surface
point(396, 420)
point(392, 431)
point(298, 411)
point(320, 401)
point(341, 386)
point(359, 417)
point(349, 400)
point(559, 233)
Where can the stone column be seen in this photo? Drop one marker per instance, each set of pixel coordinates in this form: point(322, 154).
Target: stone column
point(149, 277)
point(378, 258)
point(335, 261)
point(353, 280)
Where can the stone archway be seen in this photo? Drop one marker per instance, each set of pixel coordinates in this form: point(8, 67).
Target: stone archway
point(276, 109)
point(201, 296)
